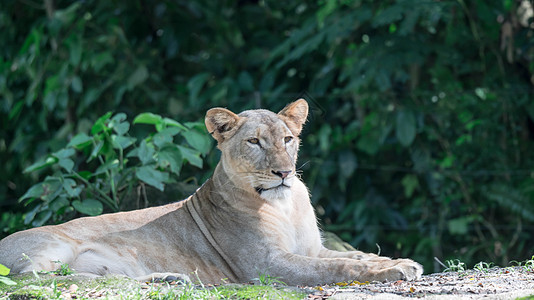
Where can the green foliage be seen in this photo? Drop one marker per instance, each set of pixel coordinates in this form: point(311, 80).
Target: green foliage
point(4, 271)
point(455, 265)
point(419, 138)
point(103, 167)
point(483, 266)
point(63, 269)
point(266, 279)
point(528, 264)
point(59, 287)
point(438, 119)
point(257, 292)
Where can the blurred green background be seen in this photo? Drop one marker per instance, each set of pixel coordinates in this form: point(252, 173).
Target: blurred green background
point(421, 132)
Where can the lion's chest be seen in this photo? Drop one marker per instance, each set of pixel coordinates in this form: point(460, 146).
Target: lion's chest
point(292, 227)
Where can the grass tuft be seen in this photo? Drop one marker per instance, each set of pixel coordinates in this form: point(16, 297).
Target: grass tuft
point(455, 265)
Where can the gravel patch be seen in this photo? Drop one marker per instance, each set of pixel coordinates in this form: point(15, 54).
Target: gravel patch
point(494, 283)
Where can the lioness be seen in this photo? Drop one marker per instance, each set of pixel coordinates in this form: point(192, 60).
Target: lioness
point(252, 216)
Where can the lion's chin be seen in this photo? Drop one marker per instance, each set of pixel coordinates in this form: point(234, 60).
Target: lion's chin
point(276, 193)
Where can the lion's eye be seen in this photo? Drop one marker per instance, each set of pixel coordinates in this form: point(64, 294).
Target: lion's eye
point(288, 139)
point(254, 141)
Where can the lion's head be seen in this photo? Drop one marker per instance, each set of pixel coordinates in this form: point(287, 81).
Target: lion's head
point(259, 147)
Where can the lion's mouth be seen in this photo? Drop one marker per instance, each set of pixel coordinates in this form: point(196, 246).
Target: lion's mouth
point(260, 189)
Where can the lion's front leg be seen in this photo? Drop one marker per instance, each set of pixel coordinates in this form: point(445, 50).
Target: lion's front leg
point(358, 255)
point(411, 269)
point(298, 269)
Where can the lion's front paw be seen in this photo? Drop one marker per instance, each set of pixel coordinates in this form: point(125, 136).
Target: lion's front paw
point(403, 269)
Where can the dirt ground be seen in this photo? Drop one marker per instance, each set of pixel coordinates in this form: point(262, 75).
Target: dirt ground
point(486, 283)
point(492, 283)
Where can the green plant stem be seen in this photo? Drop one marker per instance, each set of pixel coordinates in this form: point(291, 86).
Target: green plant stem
point(109, 173)
point(105, 197)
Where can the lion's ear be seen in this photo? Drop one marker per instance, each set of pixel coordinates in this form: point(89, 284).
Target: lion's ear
point(295, 115)
point(221, 123)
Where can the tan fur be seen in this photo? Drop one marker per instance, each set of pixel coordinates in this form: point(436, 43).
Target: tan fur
point(252, 216)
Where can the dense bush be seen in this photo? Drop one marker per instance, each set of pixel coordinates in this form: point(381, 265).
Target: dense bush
point(421, 130)
point(110, 167)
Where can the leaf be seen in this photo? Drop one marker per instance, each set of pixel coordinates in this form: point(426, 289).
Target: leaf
point(101, 123)
point(96, 150)
point(58, 204)
point(324, 137)
point(41, 217)
point(410, 183)
point(30, 215)
point(118, 124)
point(190, 155)
point(327, 8)
point(392, 28)
point(409, 22)
point(36, 191)
point(198, 141)
point(67, 164)
point(70, 187)
point(63, 158)
point(67, 15)
point(512, 199)
point(481, 93)
point(110, 165)
point(119, 93)
point(88, 99)
point(7, 281)
point(52, 85)
point(369, 143)
point(145, 152)
point(17, 108)
point(472, 124)
point(76, 84)
point(88, 206)
point(347, 163)
point(173, 123)
point(165, 137)
point(101, 60)
point(52, 187)
point(137, 77)
point(151, 176)
point(302, 48)
point(75, 49)
point(447, 161)
point(64, 153)
point(80, 141)
point(147, 118)
point(122, 142)
point(4, 270)
point(171, 157)
point(86, 174)
point(195, 84)
point(405, 129)
point(460, 225)
point(200, 126)
point(41, 164)
point(388, 15)
point(33, 39)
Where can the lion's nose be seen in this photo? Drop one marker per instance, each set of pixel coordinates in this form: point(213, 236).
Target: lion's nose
point(281, 174)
